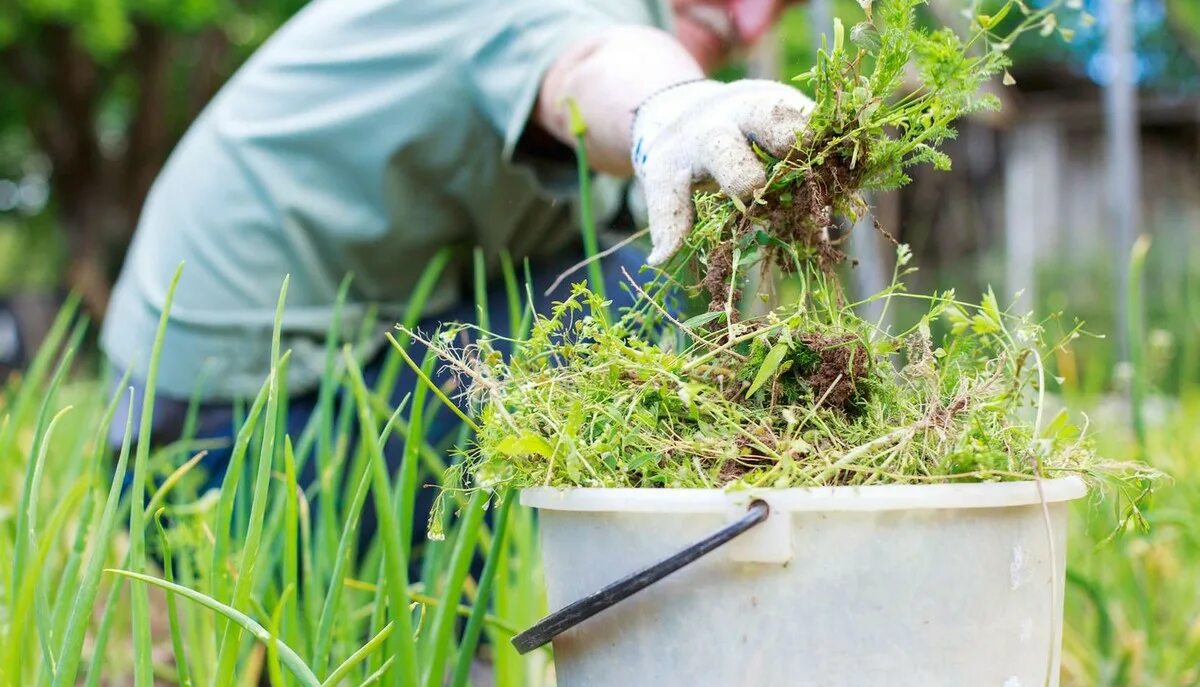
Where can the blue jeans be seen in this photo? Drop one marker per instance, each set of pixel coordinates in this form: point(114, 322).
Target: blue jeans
point(215, 422)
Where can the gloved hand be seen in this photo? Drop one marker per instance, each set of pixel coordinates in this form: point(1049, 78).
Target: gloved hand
point(701, 131)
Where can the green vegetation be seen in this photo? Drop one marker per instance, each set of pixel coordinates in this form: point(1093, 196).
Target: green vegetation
point(254, 579)
point(804, 395)
point(1132, 601)
point(807, 394)
point(885, 97)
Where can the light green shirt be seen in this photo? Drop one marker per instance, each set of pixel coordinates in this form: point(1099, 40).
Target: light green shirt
point(363, 137)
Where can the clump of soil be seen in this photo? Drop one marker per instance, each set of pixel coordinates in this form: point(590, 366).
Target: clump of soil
point(733, 470)
point(808, 217)
point(747, 461)
point(824, 369)
point(718, 279)
point(843, 364)
point(800, 213)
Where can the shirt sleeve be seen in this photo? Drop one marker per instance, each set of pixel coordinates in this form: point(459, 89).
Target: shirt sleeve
point(514, 42)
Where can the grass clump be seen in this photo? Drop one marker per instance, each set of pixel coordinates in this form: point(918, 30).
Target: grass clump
point(810, 393)
point(266, 579)
point(886, 95)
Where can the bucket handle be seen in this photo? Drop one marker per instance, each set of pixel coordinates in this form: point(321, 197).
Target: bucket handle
point(576, 612)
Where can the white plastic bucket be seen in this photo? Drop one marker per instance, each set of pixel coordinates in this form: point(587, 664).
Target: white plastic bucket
point(954, 585)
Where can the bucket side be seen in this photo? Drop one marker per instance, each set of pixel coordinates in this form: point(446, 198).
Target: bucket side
point(917, 598)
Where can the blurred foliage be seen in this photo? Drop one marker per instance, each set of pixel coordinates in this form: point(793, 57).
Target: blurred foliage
point(1167, 35)
point(798, 35)
point(1132, 601)
point(1184, 16)
point(108, 29)
point(31, 255)
point(96, 93)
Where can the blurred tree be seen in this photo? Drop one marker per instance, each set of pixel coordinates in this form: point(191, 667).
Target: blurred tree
point(103, 89)
point(1185, 21)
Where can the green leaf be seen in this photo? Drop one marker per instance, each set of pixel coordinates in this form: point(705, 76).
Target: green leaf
point(526, 444)
point(770, 365)
point(865, 36)
point(702, 319)
point(640, 460)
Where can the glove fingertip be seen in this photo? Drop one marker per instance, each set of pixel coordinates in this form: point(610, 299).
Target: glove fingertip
point(662, 253)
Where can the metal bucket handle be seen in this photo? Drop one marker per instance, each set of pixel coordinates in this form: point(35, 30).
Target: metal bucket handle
point(576, 612)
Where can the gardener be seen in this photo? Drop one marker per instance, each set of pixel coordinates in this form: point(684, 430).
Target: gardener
point(367, 135)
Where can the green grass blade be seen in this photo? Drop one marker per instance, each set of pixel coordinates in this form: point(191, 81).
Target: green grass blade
point(481, 309)
point(424, 379)
point(426, 283)
point(223, 521)
point(358, 656)
point(228, 655)
point(406, 488)
point(68, 580)
point(378, 674)
point(378, 608)
point(177, 643)
point(587, 221)
point(329, 379)
point(89, 584)
point(325, 428)
point(269, 562)
point(25, 536)
point(42, 619)
point(487, 579)
point(401, 643)
point(371, 559)
point(71, 584)
point(333, 595)
point(158, 499)
point(27, 596)
point(518, 595)
point(308, 576)
point(1135, 332)
point(274, 666)
point(291, 542)
point(460, 562)
point(140, 602)
point(27, 509)
point(289, 657)
point(107, 620)
point(513, 292)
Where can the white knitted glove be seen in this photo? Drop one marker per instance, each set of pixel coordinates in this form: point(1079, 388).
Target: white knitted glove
point(701, 131)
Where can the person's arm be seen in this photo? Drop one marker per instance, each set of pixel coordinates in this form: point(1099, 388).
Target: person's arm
point(608, 77)
point(650, 111)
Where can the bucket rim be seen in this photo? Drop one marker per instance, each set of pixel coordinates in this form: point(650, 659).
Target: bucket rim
point(875, 497)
